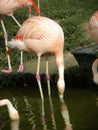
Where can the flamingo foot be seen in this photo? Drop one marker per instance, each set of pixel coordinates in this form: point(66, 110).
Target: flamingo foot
point(21, 68)
point(6, 71)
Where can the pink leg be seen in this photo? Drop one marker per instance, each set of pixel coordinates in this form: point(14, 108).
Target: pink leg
point(8, 57)
point(21, 66)
point(48, 78)
point(29, 11)
point(38, 78)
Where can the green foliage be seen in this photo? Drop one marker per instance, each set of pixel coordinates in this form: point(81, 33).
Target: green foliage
point(72, 15)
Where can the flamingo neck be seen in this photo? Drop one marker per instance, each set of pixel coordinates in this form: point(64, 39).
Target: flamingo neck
point(94, 68)
point(95, 72)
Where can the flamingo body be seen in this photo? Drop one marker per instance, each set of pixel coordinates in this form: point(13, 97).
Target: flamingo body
point(7, 7)
point(42, 35)
point(13, 113)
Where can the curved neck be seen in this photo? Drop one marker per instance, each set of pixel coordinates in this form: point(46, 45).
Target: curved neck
point(95, 66)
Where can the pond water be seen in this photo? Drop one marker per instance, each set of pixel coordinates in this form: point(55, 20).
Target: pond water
point(79, 108)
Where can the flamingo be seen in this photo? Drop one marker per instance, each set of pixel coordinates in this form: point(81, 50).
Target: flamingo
point(93, 29)
point(13, 113)
point(7, 7)
point(14, 125)
point(42, 35)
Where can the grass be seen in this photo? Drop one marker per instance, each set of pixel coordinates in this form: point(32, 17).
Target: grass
point(72, 15)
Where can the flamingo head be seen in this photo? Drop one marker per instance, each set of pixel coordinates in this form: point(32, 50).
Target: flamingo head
point(14, 44)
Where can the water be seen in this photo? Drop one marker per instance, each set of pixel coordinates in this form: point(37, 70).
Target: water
point(79, 108)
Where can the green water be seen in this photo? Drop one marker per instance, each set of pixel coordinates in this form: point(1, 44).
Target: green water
point(79, 108)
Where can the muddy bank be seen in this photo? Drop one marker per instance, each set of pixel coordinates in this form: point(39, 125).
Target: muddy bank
point(69, 61)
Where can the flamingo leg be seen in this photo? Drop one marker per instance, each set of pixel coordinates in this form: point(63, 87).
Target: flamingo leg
point(48, 77)
point(29, 11)
point(38, 4)
point(6, 42)
point(21, 66)
point(38, 77)
point(16, 20)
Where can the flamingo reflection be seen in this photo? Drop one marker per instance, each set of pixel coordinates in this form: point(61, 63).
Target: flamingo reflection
point(14, 125)
point(65, 115)
point(52, 112)
point(13, 113)
point(43, 118)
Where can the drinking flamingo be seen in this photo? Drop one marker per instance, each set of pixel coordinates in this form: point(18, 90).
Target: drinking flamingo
point(42, 35)
point(93, 29)
point(13, 113)
point(7, 7)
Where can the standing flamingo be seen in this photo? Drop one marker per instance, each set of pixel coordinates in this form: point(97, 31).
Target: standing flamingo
point(7, 7)
point(42, 35)
point(93, 29)
point(13, 113)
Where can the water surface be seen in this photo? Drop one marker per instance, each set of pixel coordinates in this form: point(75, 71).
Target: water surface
point(79, 108)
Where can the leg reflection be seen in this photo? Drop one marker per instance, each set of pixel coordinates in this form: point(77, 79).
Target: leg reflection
point(43, 119)
point(52, 113)
point(15, 125)
point(29, 109)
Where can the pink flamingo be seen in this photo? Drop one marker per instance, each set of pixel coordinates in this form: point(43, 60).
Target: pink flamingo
point(7, 7)
point(42, 35)
point(93, 29)
point(13, 113)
